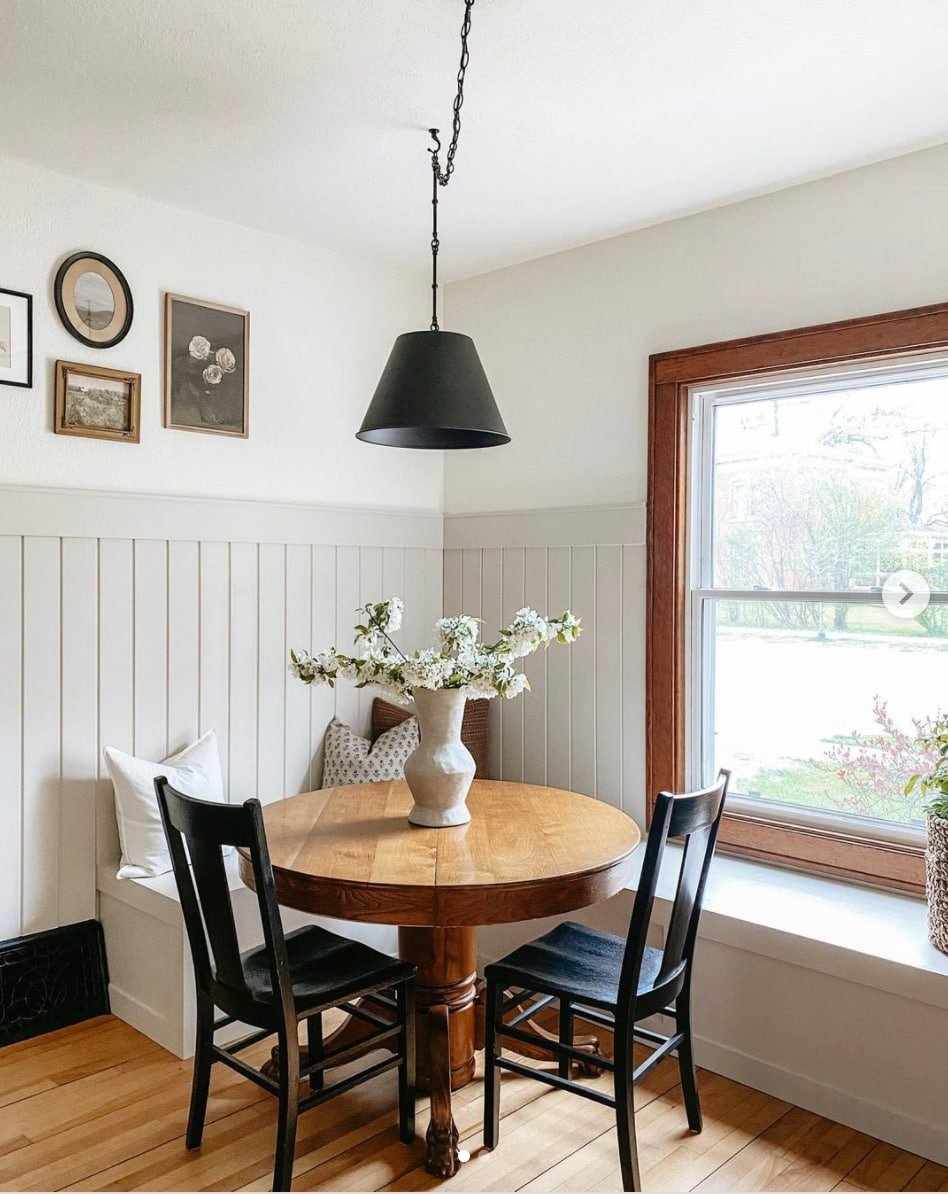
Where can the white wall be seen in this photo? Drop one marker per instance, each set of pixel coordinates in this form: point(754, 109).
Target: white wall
point(565, 339)
point(321, 329)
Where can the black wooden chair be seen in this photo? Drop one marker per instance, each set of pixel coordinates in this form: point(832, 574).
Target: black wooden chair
point(613, 981)
point(287, 980)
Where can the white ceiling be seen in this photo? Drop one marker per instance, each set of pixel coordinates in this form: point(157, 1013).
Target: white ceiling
point(583, 118)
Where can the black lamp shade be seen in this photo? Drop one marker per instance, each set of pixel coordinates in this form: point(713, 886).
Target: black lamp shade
point(433, 393)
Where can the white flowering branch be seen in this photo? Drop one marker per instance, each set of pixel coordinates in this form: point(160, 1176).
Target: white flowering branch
point(480, 670)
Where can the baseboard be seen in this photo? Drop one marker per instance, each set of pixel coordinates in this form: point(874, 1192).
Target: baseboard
point(928, 1140)
point(52, 979)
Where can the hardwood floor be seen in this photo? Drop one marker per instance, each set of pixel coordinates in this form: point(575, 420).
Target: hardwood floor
point(101, 1107)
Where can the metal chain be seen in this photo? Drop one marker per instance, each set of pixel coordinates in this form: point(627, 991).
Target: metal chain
point(441, 177)
point(445, 174)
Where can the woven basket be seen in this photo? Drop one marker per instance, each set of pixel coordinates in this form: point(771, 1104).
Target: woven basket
point(936, 875)
point(475, 729)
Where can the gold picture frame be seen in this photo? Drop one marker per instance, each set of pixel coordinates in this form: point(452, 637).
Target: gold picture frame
point(108, 410)
point(207, 367)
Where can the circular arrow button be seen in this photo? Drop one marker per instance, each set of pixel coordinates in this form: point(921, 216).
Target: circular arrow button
point(906, 594)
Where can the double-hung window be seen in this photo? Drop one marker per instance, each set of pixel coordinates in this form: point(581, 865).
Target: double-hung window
point(798, 587)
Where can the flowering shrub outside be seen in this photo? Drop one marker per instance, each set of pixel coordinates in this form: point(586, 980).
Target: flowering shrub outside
point(877, 767)
point(934, 781)
point(461, 662)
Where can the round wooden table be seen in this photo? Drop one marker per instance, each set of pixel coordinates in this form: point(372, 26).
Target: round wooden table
point(527, 852)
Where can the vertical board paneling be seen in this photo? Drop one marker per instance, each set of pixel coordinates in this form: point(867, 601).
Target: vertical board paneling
point(393, 583)
point(512, 711)
point(143, 645)
point(583, 672)
point(417, 628)
point(299, 623)
point(534, 701)
point(11, 577)
point(492, 611)
point(272, 676)
point(558, 683)
point(325, 633)
point(348, 599)
point(215, 647)
point(41, 736)
point(244, 597)
point(151, 648)
point(80, 731)
point(471, 582)
point(633, 682)
point(184, 662)
point(452, 582)
point(434, 593)
point(370, 590)
point(116, 679)
point(609, 674)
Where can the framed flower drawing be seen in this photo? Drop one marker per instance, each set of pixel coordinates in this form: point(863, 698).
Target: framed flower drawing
point(207, 368)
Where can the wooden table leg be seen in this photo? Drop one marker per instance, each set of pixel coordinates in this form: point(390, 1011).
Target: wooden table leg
point(446, 961)
point(443, 1158)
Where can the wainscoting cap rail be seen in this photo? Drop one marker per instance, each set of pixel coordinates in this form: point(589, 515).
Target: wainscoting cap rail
point(570, 526)
point(88, 513)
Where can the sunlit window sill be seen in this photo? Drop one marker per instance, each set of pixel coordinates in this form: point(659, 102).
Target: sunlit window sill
point(860, 934)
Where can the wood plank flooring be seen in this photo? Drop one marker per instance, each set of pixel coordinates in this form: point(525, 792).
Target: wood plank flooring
point(100, 1107)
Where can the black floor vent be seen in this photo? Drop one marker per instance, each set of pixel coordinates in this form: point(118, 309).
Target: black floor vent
point(51, 979)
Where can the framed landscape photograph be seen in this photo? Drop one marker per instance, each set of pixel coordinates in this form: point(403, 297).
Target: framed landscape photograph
point(207, 373)
point(97, 403)
point(16, 338)
point(93, 299)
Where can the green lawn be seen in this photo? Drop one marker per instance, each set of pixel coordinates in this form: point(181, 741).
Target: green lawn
point(814, 785)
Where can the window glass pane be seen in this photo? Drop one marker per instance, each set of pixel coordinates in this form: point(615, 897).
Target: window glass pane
point(832, 491)
point(819, 705)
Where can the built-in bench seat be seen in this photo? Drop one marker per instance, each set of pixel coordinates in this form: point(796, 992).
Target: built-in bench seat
point(151, 982)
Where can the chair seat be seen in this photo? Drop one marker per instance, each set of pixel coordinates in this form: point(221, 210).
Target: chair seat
point(324, 967)
point(580, 963)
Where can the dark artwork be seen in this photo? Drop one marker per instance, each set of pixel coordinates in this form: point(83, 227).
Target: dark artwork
point(49, 980)
point(207, 363)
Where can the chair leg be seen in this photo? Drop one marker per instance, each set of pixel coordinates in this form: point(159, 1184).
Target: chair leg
point(491, 1072)
point(625, 1114)
point(686, 1062)
point(406, 1070)
point(201, 1080)
point(566, 1036)
point(314, 1045)
point(289, 1098)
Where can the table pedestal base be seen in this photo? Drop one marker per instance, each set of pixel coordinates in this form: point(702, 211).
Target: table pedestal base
point(449, 1028)
point(447, 972)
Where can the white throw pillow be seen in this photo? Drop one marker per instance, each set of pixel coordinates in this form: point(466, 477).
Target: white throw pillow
point(349, 759)
point(195, 771)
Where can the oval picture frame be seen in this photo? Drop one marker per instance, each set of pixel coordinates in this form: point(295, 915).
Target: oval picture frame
point(93, 299)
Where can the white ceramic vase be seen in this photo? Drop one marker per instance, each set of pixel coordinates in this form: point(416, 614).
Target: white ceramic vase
point(440, 769)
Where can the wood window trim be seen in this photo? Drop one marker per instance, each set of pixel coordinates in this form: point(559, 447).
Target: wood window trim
point(671, 376)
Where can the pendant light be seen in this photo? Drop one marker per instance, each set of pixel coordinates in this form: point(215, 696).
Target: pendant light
point(433, 392)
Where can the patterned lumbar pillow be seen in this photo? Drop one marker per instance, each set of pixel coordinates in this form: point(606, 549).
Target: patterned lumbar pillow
point(349, 759)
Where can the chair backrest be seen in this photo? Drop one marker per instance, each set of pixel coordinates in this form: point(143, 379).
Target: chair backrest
point(694, 817)
point(206, 828)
